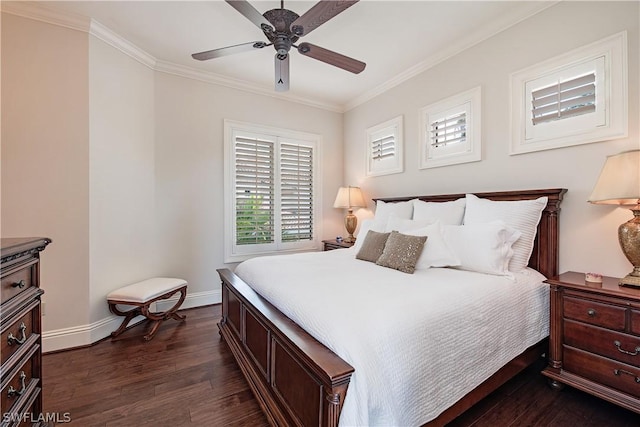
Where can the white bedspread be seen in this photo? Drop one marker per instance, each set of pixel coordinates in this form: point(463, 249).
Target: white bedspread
point(418, 342)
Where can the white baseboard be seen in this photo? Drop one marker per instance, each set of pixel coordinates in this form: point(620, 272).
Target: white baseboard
point(80, 336)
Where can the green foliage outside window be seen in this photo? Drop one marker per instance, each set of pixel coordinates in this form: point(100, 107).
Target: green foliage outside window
point(253, 220)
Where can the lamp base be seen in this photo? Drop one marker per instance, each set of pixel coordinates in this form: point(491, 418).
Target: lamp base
point(629, 238)
point(350, 223)
point(630, 281)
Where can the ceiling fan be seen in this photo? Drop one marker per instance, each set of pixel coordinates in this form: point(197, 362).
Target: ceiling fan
point(283, 28)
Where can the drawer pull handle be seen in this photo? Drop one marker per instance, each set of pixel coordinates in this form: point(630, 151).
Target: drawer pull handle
point(622, 371)
point(21, 284)
point(630, 353)
point(13, 392)
point(591, 312)
point(11, 339)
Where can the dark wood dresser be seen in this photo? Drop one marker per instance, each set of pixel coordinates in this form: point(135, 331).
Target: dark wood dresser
point(20, 327)
point(595, 338)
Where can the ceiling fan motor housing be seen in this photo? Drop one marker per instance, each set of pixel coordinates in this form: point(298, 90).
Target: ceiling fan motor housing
point(282, 38)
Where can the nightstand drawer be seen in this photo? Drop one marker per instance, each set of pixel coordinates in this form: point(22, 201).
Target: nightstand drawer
point(607, 316)
point(622, 347)
point(620, 376)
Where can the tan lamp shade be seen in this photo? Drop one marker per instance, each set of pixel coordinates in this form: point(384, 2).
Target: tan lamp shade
point(619, 184)
point(619, 181)
point(349, 198)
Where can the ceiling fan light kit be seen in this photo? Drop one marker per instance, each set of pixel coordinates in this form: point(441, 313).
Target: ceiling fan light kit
point(283, 28)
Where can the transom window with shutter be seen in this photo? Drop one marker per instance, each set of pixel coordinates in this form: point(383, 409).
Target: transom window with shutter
point(384, 148)
point(564, 99)
point(575, 98)
point(450, 130)
point(271, 191)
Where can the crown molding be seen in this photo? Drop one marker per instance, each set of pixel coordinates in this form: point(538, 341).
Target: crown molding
point(103, 33)
point(209, 77)
point(31, 10)
point(505, 22)
point(36, 12)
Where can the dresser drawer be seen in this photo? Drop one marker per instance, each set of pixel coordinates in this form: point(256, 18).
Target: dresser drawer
point(620, 376)
point(17, 388)
point(20, 332)
point(614, 345)
point(17, 280)
point(604, 315)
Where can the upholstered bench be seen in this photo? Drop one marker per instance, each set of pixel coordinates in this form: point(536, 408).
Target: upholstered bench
point(142, 295)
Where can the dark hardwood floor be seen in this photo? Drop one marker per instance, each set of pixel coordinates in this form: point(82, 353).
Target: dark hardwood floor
point(186, 376)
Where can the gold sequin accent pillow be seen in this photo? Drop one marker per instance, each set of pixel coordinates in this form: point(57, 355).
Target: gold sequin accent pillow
point(401, 252)
point(372, 246)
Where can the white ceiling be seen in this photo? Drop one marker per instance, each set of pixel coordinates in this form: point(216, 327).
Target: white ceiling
point(396, 39)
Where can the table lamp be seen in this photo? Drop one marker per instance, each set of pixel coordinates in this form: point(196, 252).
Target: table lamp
point(349, 198)
point(619, 184)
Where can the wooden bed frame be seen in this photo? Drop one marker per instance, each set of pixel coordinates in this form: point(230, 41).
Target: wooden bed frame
point(300, 382)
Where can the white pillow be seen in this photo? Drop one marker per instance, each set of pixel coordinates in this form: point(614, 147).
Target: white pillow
point(365, 226)
point(384, 210)
point(402, 225)
point(485, 248)
point(523, 215)
point(436, 252)
point(450, 213)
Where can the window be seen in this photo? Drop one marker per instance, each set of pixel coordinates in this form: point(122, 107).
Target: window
point(384, 148)
point(450, 130)
point(576, 98)
point(270, 190)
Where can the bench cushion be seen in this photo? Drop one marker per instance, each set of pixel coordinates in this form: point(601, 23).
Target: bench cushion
point(146, 290)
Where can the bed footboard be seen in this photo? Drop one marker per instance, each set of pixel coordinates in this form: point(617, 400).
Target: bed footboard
point(296, 379)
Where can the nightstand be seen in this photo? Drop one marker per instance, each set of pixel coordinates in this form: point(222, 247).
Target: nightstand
point(332, 244)
point(595, 338)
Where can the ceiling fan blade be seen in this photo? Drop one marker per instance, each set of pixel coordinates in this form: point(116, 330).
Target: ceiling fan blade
point(250, 12)
point(229, 50)
point(282, 74)
point(331, 57)
point(320, 13)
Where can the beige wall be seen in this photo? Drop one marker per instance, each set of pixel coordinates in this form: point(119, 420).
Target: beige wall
point(588, 236)
point(45, 157)
point(189, 169)
point(121, 173)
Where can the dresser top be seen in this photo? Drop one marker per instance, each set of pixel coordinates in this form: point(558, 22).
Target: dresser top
point(16, 245)
point(609, 285)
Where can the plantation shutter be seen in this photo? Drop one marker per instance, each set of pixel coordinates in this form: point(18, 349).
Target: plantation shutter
point(254, 191)
point(449, 130)
point(296, 192)
point(564, 99)
point(383, 147)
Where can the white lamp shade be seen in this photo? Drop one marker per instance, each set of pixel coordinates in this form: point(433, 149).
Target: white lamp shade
point(349, 197)
point(619, 181)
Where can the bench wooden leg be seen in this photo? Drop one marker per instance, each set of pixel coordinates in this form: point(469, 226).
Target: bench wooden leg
point(159, 317)
point(155, 317)
point(128, 316)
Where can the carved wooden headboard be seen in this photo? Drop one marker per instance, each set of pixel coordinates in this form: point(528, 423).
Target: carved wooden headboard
point(545, 255)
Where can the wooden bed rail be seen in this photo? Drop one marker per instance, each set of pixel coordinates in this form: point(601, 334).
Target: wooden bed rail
point(296, 379)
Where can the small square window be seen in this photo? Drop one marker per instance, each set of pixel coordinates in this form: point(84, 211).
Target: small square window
point(450, 131)
point(384, 148)
point(572, 99)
